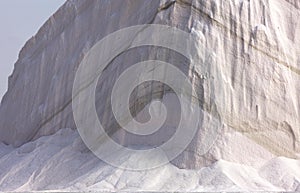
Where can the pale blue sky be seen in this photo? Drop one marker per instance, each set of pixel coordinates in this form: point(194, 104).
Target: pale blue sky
point(20, 20)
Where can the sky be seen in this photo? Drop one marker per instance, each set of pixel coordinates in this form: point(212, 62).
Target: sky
point(20, 20)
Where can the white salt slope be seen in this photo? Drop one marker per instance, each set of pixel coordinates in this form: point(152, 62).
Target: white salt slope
point(62, 162)
point(253, 46)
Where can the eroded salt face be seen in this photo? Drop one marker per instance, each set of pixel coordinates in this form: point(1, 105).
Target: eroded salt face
point(250, 82)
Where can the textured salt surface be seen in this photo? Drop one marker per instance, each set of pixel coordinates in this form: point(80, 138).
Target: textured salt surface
point(62, 162)
point(253, 46)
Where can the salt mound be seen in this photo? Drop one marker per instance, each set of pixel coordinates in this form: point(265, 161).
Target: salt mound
point(62, 163)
